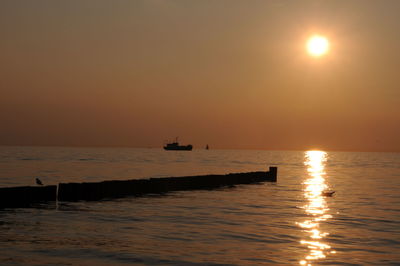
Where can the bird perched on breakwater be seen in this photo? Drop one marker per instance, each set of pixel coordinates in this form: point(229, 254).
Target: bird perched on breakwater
point(39, 182)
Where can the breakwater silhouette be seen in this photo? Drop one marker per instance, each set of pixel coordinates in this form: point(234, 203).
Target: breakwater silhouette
point(14, 197)
point(91, 191)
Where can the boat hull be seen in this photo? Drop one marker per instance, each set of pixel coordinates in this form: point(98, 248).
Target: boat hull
point(178, 148)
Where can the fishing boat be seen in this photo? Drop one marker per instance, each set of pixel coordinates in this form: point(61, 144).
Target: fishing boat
point(174, 146)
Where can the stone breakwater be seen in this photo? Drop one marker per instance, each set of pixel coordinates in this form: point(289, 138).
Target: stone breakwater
point(13, 197)
point(20, 197)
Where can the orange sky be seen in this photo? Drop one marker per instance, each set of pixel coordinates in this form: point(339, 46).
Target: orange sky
point(231, 74)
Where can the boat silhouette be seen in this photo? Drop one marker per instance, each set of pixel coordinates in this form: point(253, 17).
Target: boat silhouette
point(174, 146)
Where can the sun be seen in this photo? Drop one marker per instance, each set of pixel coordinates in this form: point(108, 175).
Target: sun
point(317, 45)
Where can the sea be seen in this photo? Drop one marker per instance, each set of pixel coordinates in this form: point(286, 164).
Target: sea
point(290, 222)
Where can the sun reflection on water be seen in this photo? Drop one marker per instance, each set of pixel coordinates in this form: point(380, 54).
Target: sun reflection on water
point(316, 207)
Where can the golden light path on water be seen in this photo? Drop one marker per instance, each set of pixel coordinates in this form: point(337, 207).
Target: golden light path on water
point(316, 208)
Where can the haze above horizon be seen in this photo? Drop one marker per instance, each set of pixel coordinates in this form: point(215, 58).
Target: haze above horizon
point(231, 74)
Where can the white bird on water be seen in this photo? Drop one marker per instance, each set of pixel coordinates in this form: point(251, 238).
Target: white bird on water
point(39, 182)
point(327, 193)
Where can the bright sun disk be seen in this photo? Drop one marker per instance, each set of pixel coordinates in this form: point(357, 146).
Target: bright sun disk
point(317, 45)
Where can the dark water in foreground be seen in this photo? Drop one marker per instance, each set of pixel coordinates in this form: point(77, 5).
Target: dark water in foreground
point(284, 223)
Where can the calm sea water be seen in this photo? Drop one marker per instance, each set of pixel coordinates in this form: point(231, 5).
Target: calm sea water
point(283, 223)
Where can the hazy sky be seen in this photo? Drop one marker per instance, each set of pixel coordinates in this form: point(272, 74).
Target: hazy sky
point(231, 74)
